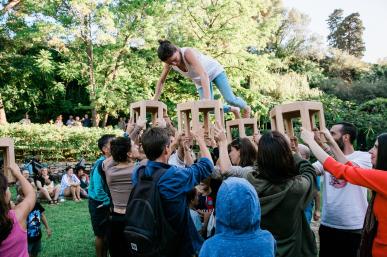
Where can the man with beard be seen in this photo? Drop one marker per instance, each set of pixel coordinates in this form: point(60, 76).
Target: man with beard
point(344, 204)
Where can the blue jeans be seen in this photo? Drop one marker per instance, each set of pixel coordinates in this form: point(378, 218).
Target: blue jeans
point(225, 89)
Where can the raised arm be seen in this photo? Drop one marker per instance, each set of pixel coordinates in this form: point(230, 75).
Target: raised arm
point(199, 137)
point(191, 58)
point(25, 207)
point(220, 137)
point(160, 83)
point(370, 178)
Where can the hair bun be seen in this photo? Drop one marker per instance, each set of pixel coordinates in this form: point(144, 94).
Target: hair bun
point(161, 41)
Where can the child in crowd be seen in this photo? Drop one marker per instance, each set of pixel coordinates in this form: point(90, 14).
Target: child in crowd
point(34, 232)
point(206, 196)
point(193, 201)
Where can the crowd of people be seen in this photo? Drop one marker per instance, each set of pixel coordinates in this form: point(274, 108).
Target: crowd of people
point(152, 194)
point(245, 198)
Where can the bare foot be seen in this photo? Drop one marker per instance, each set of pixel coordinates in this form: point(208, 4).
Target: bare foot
point(247, 112)
point(236, 111)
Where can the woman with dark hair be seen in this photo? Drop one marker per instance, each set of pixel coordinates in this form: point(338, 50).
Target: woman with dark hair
point(118, 169)
point(285, 184)
point(242, 152)
point(13, 234)
point(203, 71)
point(374, 237)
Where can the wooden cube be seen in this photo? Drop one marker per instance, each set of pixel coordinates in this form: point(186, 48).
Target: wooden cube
point(141, 108)
point(241, 125)
point(188, 115)
point(281, 116)
point(8, 150)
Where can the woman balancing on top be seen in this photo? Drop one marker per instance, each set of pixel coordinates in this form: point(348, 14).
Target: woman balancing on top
point(203, 71)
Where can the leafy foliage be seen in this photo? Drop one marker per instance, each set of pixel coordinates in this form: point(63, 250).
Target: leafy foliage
point(54, 143)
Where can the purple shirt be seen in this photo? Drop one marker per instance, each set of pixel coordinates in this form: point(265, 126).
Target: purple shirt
point(15, 245)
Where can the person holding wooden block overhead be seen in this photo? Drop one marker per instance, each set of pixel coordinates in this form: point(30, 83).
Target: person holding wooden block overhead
point(203, 70)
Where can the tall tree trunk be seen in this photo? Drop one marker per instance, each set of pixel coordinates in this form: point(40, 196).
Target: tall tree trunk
point(3, 118)
point(105, 119)
point(90, 60)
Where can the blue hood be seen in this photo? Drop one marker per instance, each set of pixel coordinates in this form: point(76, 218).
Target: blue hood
point(238, 210)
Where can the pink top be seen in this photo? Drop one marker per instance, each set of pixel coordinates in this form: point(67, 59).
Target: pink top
point(15, 245)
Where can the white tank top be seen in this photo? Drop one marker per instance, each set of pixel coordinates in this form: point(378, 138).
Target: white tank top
point(212, 67)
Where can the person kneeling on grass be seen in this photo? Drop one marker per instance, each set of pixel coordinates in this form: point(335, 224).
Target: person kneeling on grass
point(70, 185)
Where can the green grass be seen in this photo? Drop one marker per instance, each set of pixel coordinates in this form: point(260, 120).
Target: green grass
point(72, 235)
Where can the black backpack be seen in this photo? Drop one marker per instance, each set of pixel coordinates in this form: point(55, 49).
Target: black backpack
point(147, 231)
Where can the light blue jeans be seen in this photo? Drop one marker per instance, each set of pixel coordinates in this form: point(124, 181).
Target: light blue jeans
point(225, 89)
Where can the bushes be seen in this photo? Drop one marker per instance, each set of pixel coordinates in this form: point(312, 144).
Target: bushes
point(53, 143)
point(370, 117)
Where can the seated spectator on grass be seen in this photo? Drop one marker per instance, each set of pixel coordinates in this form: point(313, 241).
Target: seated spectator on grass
point(119, 169)
point(238, 231)
point(13, 234)
point(19, 191)
point(46, 187)
point(70, 185)
point(84, 179)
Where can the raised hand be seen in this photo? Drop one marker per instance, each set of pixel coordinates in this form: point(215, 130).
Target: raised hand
point(328, 136)
point(160, 122)
point(141, 122)
point(256, 137)
point(219, 133)
point(15, 170)
point(307, 136)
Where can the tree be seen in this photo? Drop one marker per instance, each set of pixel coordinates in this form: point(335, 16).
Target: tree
point(334, 21)
point(346, 34)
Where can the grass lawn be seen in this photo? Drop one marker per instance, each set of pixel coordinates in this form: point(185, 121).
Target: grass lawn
point(72, 235)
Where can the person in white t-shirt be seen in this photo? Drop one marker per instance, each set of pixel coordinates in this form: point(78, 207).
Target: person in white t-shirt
point(344, 205)
point(203, 70)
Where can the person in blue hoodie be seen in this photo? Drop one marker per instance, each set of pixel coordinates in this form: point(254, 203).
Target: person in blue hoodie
point(238, 216)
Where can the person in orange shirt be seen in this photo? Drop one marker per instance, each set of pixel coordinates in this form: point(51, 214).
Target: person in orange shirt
point(374, 237)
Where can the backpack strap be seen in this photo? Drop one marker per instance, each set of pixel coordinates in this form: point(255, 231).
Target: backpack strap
point(156, 175)
point(104, 182)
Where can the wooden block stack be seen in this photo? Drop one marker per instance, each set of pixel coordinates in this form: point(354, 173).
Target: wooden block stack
point(188, 115)
point(281, 116)
point(241, 125)
point(8, 150)
point(141, 108)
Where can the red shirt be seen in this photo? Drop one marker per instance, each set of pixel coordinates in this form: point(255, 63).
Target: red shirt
point(372, 179)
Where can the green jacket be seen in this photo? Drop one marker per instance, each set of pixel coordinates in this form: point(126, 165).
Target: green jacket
point(283, 206)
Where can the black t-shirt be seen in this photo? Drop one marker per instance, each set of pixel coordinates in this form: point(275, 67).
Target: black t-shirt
point(34, 232)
